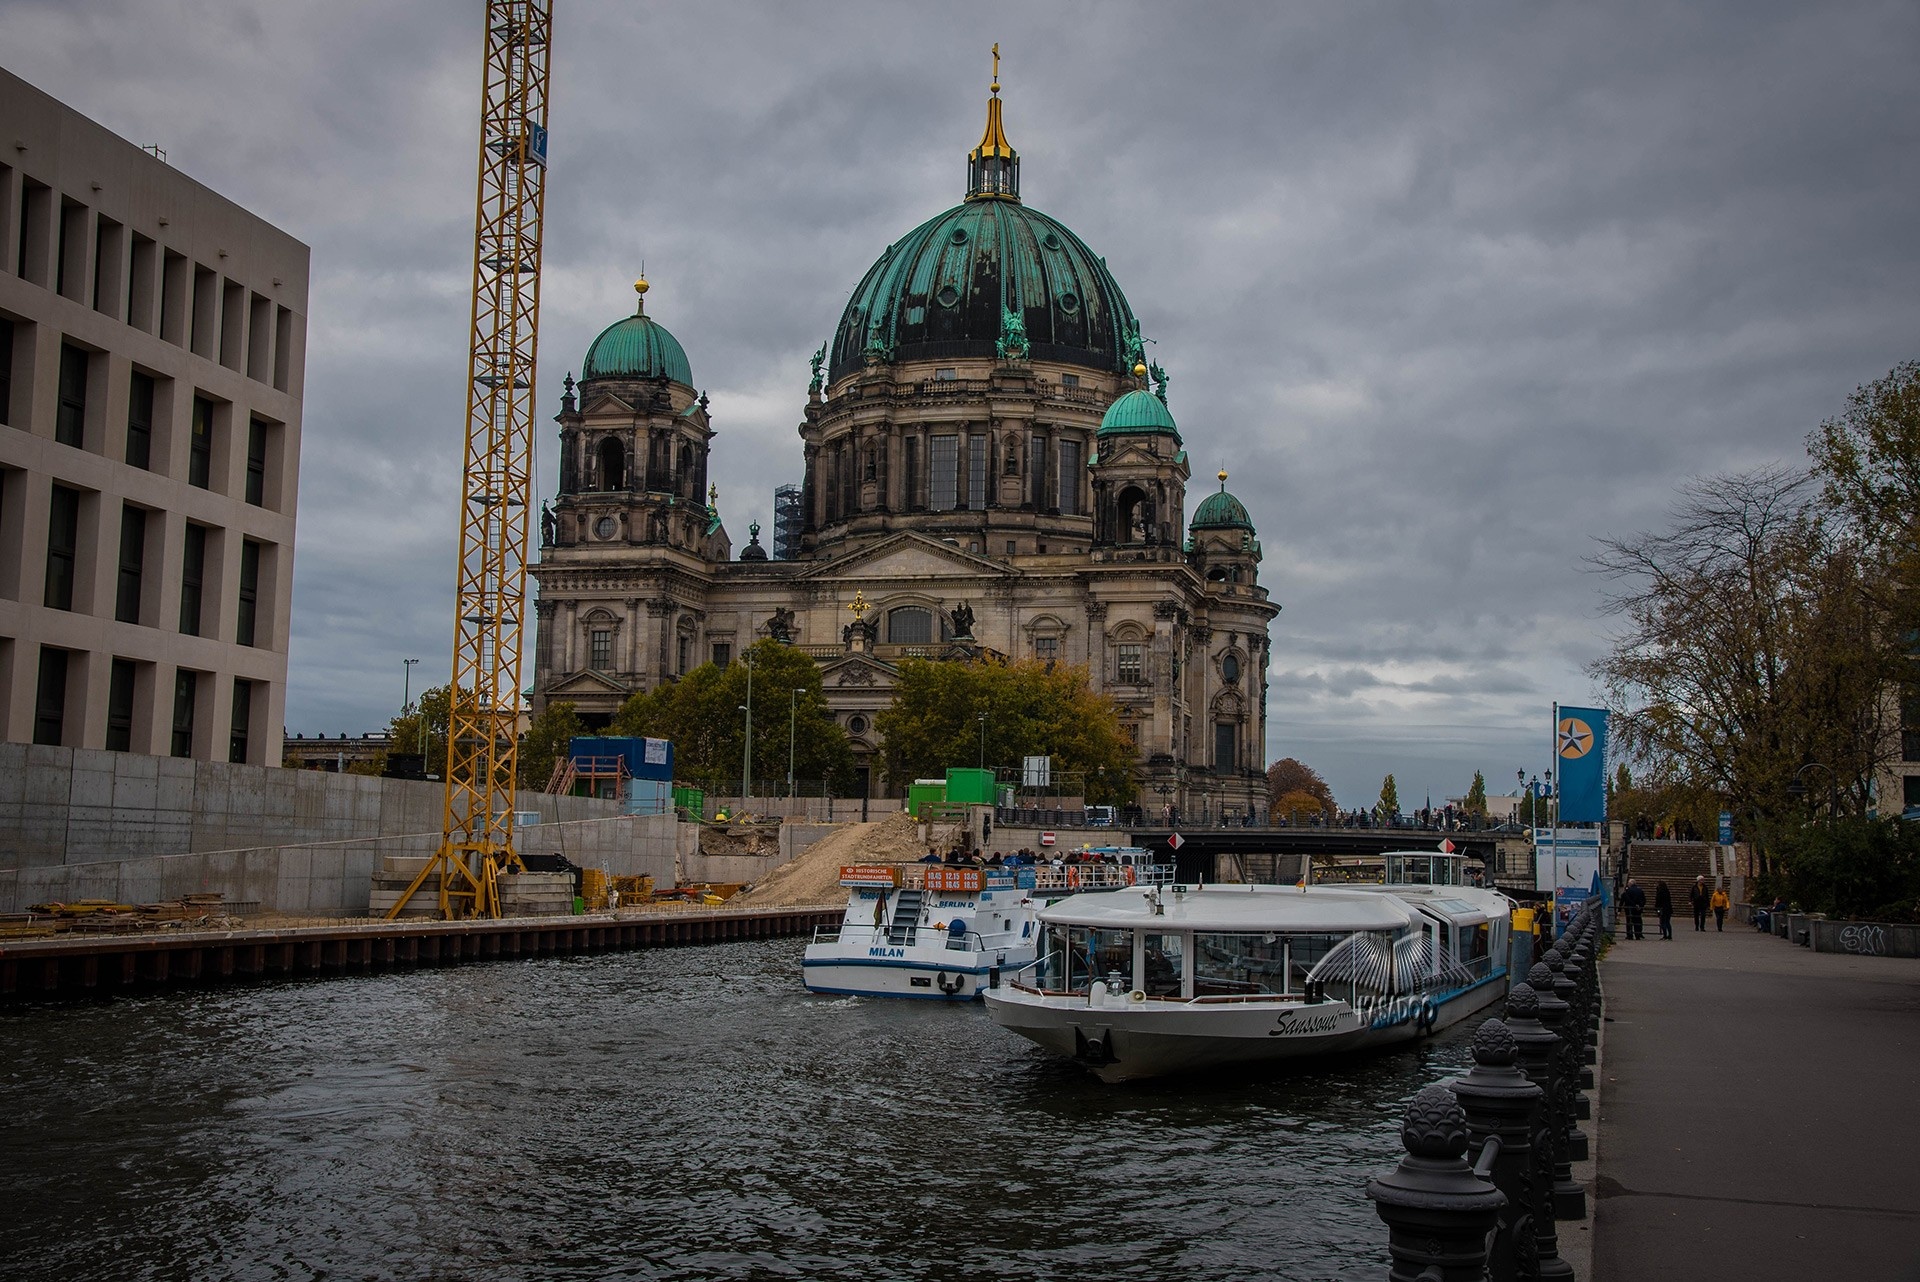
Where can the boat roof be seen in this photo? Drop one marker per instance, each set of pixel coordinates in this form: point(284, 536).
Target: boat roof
point(1235, 909)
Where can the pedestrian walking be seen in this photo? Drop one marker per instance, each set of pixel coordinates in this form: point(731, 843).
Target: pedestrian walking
point(1720, 905)
point(1635, 902)
point(1663, 909)
point(1699, 898)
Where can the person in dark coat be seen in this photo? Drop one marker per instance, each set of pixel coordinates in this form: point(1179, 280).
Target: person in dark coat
point(1699, 897)
point(1634, 900)
point(1663, 908)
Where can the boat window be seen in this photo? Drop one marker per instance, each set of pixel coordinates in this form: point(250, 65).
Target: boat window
point(1236, 965)
point(1165, 964)
point(1078, 955)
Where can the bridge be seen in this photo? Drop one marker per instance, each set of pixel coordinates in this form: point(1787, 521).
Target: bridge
point(1200, 848)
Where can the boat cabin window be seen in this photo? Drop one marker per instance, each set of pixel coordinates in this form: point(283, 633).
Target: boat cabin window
point(1164, 966)
point(1077, 955)
point(1423, 870)
point(1239, 965)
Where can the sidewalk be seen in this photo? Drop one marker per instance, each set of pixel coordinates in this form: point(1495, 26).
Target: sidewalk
point(1760, 1113)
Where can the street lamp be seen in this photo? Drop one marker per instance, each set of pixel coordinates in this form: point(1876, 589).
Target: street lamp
point(406, 693)
point(746, 746)
point(793, 706)
point(1798, 789)
point(983, 740)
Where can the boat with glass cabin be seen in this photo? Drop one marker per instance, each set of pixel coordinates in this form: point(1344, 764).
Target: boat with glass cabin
point(949, 932)
point(1174, 979)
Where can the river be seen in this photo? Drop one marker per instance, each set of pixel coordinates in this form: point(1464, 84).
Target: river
point(672, 1114)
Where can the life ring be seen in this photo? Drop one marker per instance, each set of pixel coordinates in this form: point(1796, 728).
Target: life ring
point(1129, 874)
point(1426, 1016)
point(1073, 877)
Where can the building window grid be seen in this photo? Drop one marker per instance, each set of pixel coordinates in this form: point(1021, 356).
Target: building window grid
point(242, 719)
point(63, 547)
point(193, 568)
point(257, 463)
point(6, 370)
point(50, 699)
point(70, 422)
point(140, 420)
point(244, 627)
point(1130, 666)
point(943, 471)
point(1070, 470)
point(186, 691)
point(977, 472)
point(120, 686)
point(200, 446)
point(600, 649)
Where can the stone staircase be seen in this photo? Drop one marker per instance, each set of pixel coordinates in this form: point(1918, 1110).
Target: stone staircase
point(1675, 862)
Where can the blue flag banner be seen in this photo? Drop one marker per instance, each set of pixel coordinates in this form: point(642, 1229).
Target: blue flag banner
point(1580, 743)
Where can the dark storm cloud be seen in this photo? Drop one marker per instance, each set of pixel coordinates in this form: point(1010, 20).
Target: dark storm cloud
point(1449, 290)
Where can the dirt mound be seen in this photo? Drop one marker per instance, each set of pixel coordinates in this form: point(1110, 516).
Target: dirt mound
point(740, 839)
point(814, 878)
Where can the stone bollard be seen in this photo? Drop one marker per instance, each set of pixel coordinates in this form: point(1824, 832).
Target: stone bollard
point(1500, 1104)
point(1536, 1045)
point(1438, 1213)
point(1569, 1200)
point(1573, 1031)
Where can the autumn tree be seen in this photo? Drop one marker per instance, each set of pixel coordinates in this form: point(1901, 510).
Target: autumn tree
point(1293, 787)
point(1476, 799)
point(545, 744)
point(1031, 708)
point(1389, 797)
point(1749, 647)
point(701, 714)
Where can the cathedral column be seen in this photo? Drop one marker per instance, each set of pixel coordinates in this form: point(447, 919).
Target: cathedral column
point(896, 472)
point(1096, 655)
point(630, 657)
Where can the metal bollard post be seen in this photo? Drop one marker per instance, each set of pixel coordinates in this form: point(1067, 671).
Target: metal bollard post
point(1438, 1213)
point(1500, 1104)
point(1573, 1031)
point(1536, 1045)
point(1569, 1199)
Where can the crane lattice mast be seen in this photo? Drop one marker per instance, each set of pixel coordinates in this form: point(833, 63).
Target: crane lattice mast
point(497, 483)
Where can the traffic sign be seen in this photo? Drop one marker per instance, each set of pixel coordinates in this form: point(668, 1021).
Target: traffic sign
point(1046, 839)
point(1176, 841)
point(1446, 845)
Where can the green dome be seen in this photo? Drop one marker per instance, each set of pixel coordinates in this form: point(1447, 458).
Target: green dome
point(637, 346)
point(1221, 511)
point(1138, 411)
point(940, 291)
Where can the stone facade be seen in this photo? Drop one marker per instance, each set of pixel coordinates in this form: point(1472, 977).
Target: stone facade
point(1015, 491)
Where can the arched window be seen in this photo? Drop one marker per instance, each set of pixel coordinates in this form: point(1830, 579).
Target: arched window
point(613, 464)
point(909, 625)
point(1134, 515)
point(688, 478)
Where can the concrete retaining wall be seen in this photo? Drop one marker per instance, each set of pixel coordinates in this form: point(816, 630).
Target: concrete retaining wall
point(335, 878)
point(85, 806)
point(814, 809)
point(1866, 938)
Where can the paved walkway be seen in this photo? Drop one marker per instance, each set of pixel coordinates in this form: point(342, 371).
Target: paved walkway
point(1760, 1114)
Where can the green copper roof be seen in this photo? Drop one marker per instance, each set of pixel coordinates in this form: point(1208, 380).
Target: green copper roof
point(1221, 511)
point(637, 346)
point(1138, 411)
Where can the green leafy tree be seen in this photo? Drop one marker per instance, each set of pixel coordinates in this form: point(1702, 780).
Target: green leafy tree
point(545, 744)
point(1293, 787)
point(1476, 802)
point(424, 729)
point(1032, 708)
point(701, 714)
point(1864, 869)
point(1389, 797)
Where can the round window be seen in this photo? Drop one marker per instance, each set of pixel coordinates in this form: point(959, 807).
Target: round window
point(857, 724)
point(1050, 240)
point(1069, 302)
point(959, 236)
point(947, 296)
point(605, 527)
point(1230, 667)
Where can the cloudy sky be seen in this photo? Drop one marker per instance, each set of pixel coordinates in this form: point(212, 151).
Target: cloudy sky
point(1451, 289)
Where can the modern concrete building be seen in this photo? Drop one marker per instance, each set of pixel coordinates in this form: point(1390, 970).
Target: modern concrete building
point(152, 346)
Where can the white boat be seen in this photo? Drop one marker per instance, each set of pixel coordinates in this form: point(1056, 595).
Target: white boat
point(950, 932)
point(1148, 982)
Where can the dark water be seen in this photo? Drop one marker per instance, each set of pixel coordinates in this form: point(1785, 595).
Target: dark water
point(685, 1113)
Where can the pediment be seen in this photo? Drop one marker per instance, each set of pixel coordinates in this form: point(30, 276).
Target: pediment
point(858, 670)
point(607, 403)
point(1135, 455)
point(911, 556)
point(589, 682)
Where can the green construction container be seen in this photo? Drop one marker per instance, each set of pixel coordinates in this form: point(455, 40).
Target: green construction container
point(691, 800)
point(925, 794)
point(970, 787)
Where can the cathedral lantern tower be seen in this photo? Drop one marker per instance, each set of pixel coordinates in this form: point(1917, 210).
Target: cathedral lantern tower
point(633, 444)
point(1139, 476)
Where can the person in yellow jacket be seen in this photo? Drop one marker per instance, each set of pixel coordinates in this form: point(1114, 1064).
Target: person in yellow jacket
point(1720, 905)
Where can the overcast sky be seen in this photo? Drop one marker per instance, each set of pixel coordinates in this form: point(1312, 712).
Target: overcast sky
point(1451, 290)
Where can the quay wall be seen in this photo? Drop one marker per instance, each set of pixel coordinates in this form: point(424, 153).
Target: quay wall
point(334, 878)
point(84, 806)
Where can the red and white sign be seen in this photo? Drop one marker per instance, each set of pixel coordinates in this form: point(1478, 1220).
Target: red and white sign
point(1046, 839)
point(1176, 841)
point(1446, 845)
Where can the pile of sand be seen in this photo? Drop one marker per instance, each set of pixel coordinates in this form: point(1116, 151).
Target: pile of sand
point(814, 878)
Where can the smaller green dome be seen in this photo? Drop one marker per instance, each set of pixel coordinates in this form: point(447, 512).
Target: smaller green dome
point(1138, 411)
point(637, 346)
point(1221, 511)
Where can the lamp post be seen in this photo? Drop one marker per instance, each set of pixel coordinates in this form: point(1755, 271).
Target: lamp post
point(746, 745)
point(406, 692)
point(1798, 789)
point(983, 740)
point(793, 707)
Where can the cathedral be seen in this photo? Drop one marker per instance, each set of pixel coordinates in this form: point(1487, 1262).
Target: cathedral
point(991, 467)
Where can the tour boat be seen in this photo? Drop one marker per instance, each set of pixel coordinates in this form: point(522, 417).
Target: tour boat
point(1172, 979)
point(950, 932)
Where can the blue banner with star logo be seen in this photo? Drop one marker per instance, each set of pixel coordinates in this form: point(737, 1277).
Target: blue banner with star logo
point(1580, 744)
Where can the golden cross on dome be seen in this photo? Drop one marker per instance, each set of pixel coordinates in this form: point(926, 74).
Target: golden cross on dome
point(859, 605)
point(713, 495)
point(996, 66)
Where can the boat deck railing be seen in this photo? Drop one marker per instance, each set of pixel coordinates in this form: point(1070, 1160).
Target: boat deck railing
point(880, 936)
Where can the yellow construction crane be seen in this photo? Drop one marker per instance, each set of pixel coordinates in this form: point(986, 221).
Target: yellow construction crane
point(476, 844)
